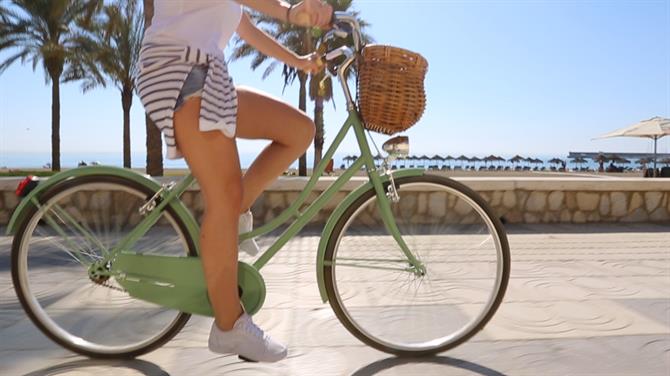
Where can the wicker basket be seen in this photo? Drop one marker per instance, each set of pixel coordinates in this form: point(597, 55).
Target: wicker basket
point(391, 96)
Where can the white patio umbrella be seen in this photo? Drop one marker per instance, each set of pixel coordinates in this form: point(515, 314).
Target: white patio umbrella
point(653, 128)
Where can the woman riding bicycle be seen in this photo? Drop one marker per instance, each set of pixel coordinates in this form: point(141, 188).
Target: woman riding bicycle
point(185, 88)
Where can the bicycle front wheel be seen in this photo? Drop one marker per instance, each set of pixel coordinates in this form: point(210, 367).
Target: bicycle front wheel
point(83, 308)
point(375, 292)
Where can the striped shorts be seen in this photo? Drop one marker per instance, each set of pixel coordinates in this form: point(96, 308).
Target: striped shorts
point(170, 73)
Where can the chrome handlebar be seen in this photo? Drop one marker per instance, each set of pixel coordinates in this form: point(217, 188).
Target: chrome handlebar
point(350, 19)
point(340, 19)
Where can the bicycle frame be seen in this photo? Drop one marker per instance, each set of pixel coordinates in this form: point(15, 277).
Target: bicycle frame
point(301, 218)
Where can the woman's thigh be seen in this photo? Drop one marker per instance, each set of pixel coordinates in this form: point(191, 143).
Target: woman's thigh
point(260, 116)
point(211, 156)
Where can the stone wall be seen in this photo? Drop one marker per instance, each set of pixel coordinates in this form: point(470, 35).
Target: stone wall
point(518, 200)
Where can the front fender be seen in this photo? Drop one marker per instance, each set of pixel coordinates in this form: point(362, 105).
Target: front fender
point(335, 217)
point(35, 194)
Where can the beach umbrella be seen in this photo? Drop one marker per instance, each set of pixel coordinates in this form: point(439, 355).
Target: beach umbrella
point(555, 161)
point(474, 160)
point(601, 158)
point(462, 159)
point(516, 159)
point(579, 161)
point(437, 158)
point(499, 159)
point(619, 159)
point(653, 128)
point(490, 158)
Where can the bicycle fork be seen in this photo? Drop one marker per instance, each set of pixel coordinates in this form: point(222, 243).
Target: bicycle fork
point(384, 200)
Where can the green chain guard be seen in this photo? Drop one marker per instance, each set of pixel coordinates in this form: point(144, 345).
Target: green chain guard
point(179, 282)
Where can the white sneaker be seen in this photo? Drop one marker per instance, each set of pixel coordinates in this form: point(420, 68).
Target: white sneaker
point(247, 340)
point(246, 224)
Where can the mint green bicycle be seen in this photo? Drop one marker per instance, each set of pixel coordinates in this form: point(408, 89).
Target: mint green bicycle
point(105, 261)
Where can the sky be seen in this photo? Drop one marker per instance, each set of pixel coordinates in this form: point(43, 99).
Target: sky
point(536, 77)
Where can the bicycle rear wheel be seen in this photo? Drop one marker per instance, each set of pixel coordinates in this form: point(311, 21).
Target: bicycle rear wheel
point(461, 244)
point(87, 311)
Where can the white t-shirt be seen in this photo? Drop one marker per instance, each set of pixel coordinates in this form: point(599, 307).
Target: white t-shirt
point(204, 24)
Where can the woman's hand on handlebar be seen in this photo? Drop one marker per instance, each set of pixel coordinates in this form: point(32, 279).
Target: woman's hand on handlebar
point(310, 13)
point(312, 63)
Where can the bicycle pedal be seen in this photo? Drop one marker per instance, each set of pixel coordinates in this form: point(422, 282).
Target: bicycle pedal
point(246, 359)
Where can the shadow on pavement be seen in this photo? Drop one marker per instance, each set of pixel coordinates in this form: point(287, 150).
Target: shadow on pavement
point(384, 364)
point(142, 366)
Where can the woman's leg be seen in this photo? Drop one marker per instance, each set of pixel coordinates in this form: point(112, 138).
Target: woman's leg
point(213, 160)
point(260, 116)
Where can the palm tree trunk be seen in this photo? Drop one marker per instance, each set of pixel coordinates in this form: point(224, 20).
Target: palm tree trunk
point(306, 48)
point(126, 102)
point(55, 122)
point(154, 142)
point(319, 136)
point(302, 104)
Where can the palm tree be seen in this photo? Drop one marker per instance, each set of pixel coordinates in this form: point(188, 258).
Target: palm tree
point(303, 41)
point(154, 142)
point(54, 33)
point(120, 36)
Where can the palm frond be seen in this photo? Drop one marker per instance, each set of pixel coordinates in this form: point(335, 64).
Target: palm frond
point(270, 69)
point(21, 55)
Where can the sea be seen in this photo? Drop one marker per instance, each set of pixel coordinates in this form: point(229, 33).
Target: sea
point(29, 160)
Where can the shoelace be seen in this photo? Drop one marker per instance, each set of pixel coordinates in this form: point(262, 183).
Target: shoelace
point(253, 329)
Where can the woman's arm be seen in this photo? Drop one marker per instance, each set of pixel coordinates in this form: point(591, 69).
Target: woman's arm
point(267, 45)
point(274, 8)
point(305, 13)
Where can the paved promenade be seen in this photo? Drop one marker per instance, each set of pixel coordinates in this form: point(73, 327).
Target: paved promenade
point(582, 300)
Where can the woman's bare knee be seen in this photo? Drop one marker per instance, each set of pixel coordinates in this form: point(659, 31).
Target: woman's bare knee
point(304, 132)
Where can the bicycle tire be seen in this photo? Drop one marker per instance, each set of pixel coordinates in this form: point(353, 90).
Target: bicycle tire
point(18, 274)
point(336, 301)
